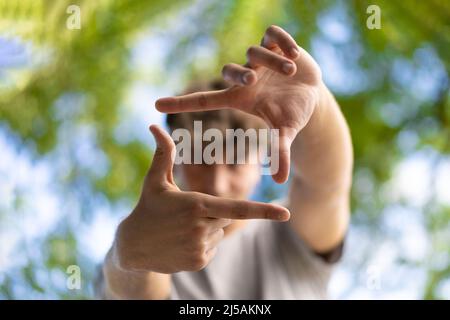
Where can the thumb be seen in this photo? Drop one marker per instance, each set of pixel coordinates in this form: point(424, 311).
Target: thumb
point(163, 158)
point(281, 160)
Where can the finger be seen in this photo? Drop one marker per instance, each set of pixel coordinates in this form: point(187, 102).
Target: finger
point(199, 101)
point(277, 37)
point(210, 253)
point(163, 158)
point(214, 238)
point(215, 223)
point(260, 56)
point(238, 75)
point(280, 161)
point(241, 209)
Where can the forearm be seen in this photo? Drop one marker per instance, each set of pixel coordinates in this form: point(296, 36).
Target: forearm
point(322, 159)
point(123, 284)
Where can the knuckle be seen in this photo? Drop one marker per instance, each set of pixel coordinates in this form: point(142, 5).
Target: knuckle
point(162, 153)
point(226, 69)
point(278, 61)
point(220, 233)
point(159, 152)
point(227, 222)
point(199, 247)
point(199, 224)
point(197, 208)
point(196, 249)
point(198, 233)
point(203, 261)
point(271, 29)
point(199, 261)
point(251, 51)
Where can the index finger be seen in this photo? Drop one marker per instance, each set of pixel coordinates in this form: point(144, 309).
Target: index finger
point(199, 101)
point(276, 36)
point(242, 209)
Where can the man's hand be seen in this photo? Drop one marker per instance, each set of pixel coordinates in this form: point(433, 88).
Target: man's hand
point(170, 230)
point(279, 83)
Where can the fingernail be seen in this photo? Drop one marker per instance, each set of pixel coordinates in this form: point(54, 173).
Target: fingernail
point(283, 216)
point(288, 67)
point(294, 52)
point(246, 78)
point(288, 215)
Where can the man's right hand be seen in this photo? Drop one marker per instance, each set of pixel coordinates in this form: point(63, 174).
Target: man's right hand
point(171, 230)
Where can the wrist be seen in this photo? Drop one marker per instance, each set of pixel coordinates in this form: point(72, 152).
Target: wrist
point(122, 255)
point(322, 152)
point(324, 105)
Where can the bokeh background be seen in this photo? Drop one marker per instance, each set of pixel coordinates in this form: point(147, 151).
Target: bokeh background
point(75, 106)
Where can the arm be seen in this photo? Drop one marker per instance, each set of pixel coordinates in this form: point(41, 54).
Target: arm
point(322, 161)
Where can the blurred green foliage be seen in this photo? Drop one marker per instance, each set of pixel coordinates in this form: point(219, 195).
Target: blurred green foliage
point(92, 66)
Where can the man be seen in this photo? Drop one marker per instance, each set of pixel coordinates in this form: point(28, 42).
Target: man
point(207, 241)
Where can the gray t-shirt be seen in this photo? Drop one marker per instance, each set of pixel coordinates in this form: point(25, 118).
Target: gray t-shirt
point(263, 260)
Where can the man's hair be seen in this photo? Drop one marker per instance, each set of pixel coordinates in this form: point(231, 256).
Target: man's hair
point(219, 119)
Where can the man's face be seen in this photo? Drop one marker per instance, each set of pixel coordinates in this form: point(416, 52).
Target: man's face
point(234, 181)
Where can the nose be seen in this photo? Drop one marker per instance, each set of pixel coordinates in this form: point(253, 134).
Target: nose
point(216, 181)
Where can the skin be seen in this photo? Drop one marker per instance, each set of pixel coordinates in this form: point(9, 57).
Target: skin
point(171, 230)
